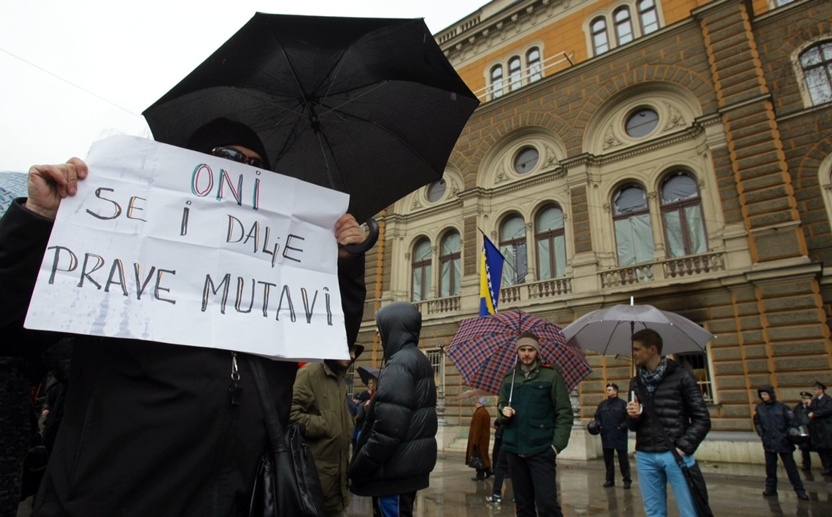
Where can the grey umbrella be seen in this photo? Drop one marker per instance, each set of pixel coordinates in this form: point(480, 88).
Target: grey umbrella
point(610, 331)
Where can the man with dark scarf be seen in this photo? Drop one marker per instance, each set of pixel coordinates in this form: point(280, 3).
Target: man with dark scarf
point(677, 405)
point(319, 407)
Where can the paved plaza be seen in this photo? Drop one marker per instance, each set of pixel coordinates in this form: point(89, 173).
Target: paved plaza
point(735, 491)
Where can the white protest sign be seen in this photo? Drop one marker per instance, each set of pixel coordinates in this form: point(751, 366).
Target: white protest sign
point(169, 245)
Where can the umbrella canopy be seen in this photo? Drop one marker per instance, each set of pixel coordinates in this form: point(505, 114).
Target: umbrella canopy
point(367, 106)
point(483, 349)
point(12, 185)
point(609, 331)
point(367, 373)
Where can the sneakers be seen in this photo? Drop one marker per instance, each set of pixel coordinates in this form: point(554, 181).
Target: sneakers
point(494, 498)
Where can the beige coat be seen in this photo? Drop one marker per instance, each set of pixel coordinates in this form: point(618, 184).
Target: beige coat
point(319, 406)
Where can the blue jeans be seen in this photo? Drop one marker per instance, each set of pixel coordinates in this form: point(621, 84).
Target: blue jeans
point(655, 470)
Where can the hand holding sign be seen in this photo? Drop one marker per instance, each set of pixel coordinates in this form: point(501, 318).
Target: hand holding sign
point(164, 244)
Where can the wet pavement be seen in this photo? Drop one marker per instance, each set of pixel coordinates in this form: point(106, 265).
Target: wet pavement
point(734, 490)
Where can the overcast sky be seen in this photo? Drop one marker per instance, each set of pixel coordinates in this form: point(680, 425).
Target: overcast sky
point(72, 72)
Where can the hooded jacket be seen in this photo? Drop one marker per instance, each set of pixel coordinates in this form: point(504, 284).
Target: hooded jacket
point(396, 450)
point(771, 420)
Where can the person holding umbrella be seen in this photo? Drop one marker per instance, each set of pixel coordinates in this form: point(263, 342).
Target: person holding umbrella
point(151, 428)
point(537, 414)
point(666, 405)
point(612, 416)
point(369, 376)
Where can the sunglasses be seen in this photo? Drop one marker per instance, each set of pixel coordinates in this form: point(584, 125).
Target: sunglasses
point(236, 156)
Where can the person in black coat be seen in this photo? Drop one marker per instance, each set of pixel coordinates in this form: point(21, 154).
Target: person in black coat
point(771, 419)
point(801, 417)
point(396, 450)
point(612, 417)
point(149, 428)
point(820, 426)
point(664, 395)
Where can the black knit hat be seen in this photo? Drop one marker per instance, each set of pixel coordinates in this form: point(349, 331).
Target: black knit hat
point(223, 132)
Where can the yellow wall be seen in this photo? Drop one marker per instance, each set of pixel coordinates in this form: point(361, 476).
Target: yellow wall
point(567, 35)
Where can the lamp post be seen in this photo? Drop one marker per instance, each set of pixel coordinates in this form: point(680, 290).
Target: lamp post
point(440, 389)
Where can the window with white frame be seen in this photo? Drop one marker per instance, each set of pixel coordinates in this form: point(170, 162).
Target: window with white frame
point(697, 364)
point(647, 16)
point(450, 265)
point(496, 81)
point(551, 242)
point(533, 65)
point(513, 248)
point(600, 39)
point(421, 270)
point(816, 65)
point(623, 25)
point(515, 78)
point(684, 224)
point(633, 230)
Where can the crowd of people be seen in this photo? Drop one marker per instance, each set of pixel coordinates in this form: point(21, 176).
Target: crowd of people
point(193, 438)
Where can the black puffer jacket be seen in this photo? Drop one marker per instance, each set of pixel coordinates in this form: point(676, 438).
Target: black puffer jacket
point(771, 419)
point(397, 448)
point(680, 408)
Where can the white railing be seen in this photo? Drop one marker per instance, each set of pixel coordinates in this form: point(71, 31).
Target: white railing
point(438, 305)
point(487, 93)
point(692, 265)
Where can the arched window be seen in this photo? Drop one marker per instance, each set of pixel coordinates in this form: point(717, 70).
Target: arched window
point(496, 81)
point(623, 25)
point(684, 225)
point(633, 232)
point(647, 16)
point(600, 40)
point(514, 75)
point(513, 248)
point(551, 243)
point(421, 270)
point(450, 266)
point(533, 64)
point(816, 63)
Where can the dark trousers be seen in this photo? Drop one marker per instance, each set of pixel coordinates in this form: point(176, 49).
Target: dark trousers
point(826, 460)
point(806, 456)
point(534, 481)
point(500, 471)
point(400, 505)
point(623, 464)
point(791, 471)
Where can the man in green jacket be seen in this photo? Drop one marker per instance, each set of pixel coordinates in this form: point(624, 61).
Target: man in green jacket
point(319, 406)
point(535, 409)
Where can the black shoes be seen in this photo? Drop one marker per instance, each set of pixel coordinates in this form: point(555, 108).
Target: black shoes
point(609, 484)
point(769, 493)
point(627, 485)
point(803, 496)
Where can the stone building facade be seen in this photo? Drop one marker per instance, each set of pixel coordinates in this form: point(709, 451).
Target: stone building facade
point(675, 151)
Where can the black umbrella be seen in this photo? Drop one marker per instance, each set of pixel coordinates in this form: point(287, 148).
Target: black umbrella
point(367, 106)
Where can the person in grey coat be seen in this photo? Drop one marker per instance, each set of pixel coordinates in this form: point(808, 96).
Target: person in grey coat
point(612, 416)
point(771, 419)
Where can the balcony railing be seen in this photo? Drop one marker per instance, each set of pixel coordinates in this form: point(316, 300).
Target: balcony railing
point(692, 265)
point(438, 305)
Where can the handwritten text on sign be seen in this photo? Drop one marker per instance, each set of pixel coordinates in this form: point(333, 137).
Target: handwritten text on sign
point(164, 244)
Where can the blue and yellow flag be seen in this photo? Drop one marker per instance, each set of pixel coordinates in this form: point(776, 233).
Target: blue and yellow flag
point(491, 275)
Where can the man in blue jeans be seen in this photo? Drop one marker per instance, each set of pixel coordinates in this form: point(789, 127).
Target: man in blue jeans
point(677, 404)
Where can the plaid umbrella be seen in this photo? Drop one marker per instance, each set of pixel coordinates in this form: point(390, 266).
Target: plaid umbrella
point(483, 349)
